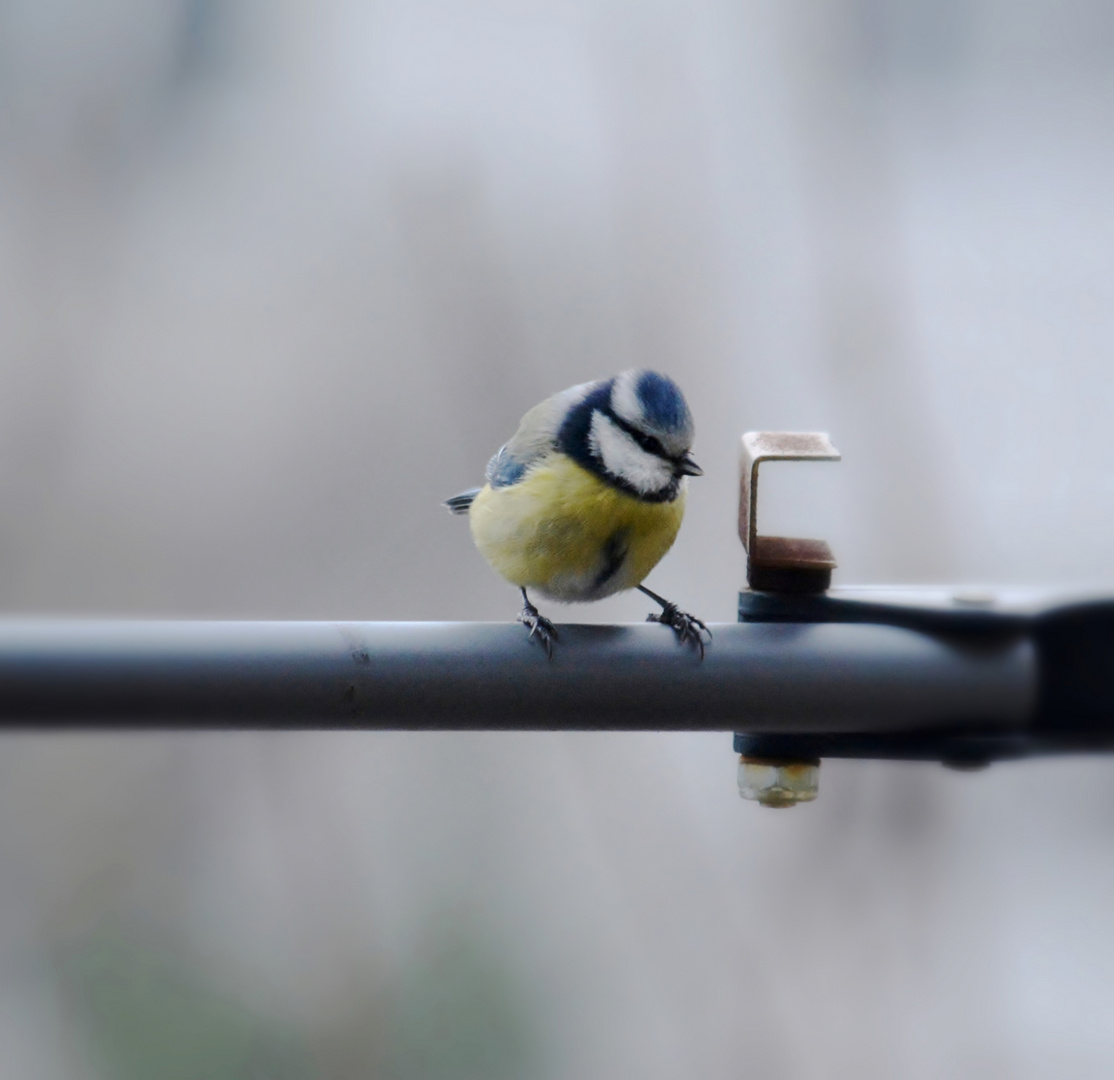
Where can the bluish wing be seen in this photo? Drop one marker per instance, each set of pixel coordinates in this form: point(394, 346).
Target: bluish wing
point(535, 438)
point(505, 469)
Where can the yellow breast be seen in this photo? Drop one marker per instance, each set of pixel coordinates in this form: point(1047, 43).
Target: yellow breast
point(564, 532)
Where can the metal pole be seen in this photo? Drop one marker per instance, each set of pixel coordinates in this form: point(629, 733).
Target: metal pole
point(761, 677)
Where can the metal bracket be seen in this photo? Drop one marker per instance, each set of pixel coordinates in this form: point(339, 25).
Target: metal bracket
point(782, 563)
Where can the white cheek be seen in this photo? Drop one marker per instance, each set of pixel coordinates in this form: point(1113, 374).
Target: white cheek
point(623, 457)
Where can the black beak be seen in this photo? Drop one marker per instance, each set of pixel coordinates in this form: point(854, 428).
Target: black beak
point(687, 467)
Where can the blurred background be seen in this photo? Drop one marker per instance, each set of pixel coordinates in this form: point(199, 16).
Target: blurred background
point(276, 278)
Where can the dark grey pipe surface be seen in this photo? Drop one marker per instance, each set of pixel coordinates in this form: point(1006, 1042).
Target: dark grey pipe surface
point(759, 677)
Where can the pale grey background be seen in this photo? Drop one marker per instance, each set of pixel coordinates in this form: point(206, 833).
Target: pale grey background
point(276, 278)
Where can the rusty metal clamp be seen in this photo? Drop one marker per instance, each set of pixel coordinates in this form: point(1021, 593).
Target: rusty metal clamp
point(782, 563)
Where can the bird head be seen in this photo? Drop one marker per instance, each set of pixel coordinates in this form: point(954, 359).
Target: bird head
point(636, 431)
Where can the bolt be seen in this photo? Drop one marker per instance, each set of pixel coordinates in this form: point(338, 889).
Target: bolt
point(778, 782)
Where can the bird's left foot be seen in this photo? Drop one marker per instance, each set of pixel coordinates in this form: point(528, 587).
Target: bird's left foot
point(688, 628)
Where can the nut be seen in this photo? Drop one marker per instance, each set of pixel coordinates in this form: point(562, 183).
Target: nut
point(778, 782)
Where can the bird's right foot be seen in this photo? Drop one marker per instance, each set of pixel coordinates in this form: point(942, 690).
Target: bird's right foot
point(537, 624)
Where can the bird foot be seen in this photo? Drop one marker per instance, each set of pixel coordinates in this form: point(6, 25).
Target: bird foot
point(538, 624)
point(688, 628)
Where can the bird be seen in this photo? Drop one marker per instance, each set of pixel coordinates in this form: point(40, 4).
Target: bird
point(587, 496)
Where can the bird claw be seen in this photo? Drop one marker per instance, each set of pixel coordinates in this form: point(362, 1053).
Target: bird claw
point(538, 624)
point(688, 628)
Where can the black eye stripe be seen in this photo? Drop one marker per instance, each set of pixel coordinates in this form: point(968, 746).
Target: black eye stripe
point(647, 442)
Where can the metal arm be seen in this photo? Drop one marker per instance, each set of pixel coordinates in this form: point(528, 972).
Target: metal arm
point(787, 679)
point(924, 676)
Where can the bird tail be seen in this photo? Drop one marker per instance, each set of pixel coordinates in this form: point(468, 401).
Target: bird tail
point(459, 504)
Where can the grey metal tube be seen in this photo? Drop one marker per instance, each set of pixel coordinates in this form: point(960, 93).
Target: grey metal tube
point(788, 678)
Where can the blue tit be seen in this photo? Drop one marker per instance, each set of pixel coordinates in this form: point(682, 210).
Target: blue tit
point(588, 496)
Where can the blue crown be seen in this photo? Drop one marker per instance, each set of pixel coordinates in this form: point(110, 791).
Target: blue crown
point(662, 402)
